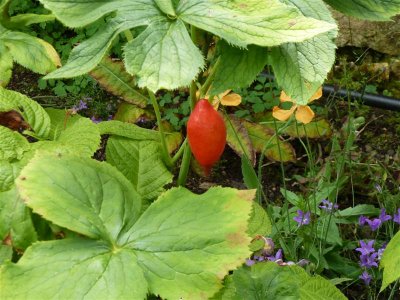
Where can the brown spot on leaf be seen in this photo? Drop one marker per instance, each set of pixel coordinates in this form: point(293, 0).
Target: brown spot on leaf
point(247, 195)
point(7, 240)
point(292, 23)
point(236, 238)
point(13, 120)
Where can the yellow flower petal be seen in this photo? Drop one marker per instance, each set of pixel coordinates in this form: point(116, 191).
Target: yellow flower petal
point(231, 100)
point(317, 95)
point(285, 98)
point(304, 114)
point(282, 114)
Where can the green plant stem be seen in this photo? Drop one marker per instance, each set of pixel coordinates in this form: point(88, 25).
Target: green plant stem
point(183, 171)
point(164, 153)
point(128, 35)
point(210, 78)
point(179, 153)
point(193, 98)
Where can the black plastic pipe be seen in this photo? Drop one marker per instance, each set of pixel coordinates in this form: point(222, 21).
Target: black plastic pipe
point(374, 100)
point(367, 99)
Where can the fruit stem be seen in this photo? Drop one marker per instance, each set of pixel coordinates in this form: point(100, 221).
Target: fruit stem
point(179, 153)
point(183, 171)
point(164, 153)
point(209, 80)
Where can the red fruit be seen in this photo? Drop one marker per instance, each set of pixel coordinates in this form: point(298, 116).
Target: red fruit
point(206, 133)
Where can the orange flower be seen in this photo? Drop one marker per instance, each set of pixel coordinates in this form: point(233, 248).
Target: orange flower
point(303, 113)
point(226, 98)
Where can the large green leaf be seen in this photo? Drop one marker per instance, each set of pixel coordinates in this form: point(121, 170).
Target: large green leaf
point(141, 163)
point(31, 52)
point(9, 171)
point(182, 246)
point(390, 261)
point(131, 131)
point(83, 195)
point(15, 220)
point(83, 137)
point(31, 111)
point(240, 23)
point(238, 138)
point(301, 68)
point(73, 269)
point(244, 22)
point(238, 67)
point(12, 145)
point(89, 53)
point(373, 10)
point(187, 243)
point(6, 64)
point(163, 56)
point(60, 119)
point(271, 281)
point(112, 76)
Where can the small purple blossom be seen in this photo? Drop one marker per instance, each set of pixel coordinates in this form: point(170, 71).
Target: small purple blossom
point(328, 206)
point(383, 216)
point(95, 120)
point(110, 117)
point(378, 188)
point(302, 218)
point(365, 277)
point(278, 256)
point(381, 250)
point(250, 262)
point(396, 217)
point(374, 224)
point(362, 220)
point(303, 262)
point(268, 247)
point(366, 248)
point(81, 105)
point(369, 261)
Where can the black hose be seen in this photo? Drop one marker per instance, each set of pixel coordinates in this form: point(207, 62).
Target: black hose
point(365, 98)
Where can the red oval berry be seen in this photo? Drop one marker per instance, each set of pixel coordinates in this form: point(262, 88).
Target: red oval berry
point(206, 133)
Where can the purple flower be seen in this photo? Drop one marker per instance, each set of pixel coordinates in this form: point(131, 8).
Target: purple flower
point(396, 217)
point(381, 250)
point(250, 262)
point(378, 188)
point(302, 218)
point(369, 261)
point(328, 206)
point(362, 220)
point(366, 277)
point(366, 248)
point(95, 120)
point(268, 247)
point(110, 117)
point(383, 216)
point(374, 224)
point(303, 262)
point(81, 105)
point(276, 257)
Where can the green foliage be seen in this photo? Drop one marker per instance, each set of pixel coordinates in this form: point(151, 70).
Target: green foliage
point(141, 163)
point(149, 250)
point(154, 68)
point(32, 112)
point(301, 68)
point(17, 46)
point(376, 10)
point(271, 281)
point(237, 68)
point(390, 262)
point(112, 76)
